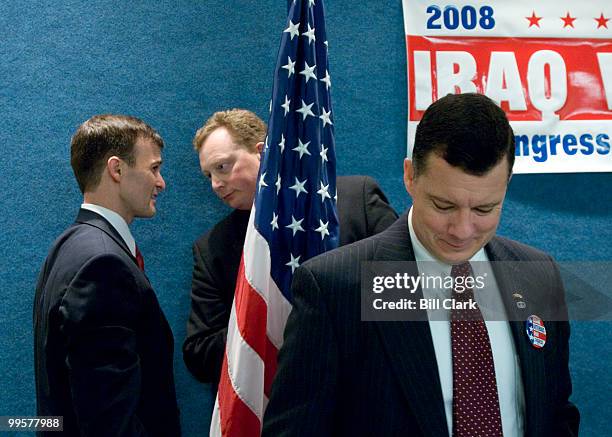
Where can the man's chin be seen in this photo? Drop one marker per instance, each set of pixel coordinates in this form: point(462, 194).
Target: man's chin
point(454, 255)
point(456, 258)
point(147, 214)
point(236, 204)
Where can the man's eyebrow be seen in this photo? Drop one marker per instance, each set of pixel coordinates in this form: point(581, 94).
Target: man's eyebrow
point(439, 199)
point(218, 158)
point(488, 205)
point(484, 205)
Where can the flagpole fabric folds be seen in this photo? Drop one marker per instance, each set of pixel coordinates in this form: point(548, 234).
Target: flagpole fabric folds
point(293, 218)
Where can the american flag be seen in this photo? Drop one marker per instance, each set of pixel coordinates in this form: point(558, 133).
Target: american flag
point(293, 219)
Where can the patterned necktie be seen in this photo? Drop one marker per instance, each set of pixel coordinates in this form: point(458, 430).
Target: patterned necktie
point(475, 400)
point(139, 259)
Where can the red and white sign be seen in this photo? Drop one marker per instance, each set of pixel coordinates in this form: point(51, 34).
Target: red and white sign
point(548, 64)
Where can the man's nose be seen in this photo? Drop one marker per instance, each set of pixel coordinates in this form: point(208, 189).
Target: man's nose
point(461, 226)
point(161, 183)
point(216, 183)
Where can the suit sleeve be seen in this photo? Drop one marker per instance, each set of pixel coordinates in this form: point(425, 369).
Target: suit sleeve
point(99, 316)
point(567, 417)
point(204, 345)
point(303, 397)
point(379, 214)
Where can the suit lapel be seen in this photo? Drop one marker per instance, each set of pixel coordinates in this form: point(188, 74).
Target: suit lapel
point(409, 343)
point(531, 361)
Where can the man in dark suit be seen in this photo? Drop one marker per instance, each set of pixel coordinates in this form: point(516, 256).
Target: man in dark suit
point(103, 348)
point(229, 146)
point(464, 376)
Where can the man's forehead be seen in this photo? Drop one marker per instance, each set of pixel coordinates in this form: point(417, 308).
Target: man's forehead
point(210, 157)
point(441, 180)
point(437, 161)
point(218, 142)
point(147, 149)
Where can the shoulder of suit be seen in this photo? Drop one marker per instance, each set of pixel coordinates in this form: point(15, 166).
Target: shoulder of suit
point(225, 230)
point(86, 238)
point(82, 244)
point(358, 251)
point(514, 250)
point(351, 179)
point(353, 183)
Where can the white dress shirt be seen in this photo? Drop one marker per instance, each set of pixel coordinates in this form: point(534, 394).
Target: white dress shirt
point(505, 359)
point(116, 222)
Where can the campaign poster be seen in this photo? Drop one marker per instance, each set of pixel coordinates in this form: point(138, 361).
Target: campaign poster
point(548, 64)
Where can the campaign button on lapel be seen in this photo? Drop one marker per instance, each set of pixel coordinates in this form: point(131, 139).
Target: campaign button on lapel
point(536, 331)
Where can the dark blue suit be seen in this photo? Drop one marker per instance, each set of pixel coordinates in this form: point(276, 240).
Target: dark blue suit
point(339, 376)
point(103, 348)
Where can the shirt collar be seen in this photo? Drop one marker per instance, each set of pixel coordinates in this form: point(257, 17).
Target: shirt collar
point(116, 222)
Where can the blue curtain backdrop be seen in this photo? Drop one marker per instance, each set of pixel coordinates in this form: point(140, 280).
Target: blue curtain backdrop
point(173, 63)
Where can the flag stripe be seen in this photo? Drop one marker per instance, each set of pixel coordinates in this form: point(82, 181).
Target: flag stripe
point(235, 417)
point(257, 262)
point(239, 354)
point(251, 314)
point(289, 222)
point(246, 348)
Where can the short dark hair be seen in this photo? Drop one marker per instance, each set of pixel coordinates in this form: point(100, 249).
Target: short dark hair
point(469, 131)
point(101, 137)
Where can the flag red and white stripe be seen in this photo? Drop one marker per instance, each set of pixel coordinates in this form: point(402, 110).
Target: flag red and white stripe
point(250, 359)
point(293, 219)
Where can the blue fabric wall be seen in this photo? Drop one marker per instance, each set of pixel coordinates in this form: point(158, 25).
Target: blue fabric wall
point(173, 63)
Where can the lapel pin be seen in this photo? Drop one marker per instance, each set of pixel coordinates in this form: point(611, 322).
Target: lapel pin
point(518, 298)
point(536, 332)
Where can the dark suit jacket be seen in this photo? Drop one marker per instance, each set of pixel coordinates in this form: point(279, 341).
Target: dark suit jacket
point(103, 348)
point(363, 210)
point(345, 377)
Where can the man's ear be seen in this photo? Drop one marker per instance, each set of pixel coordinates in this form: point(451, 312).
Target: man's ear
point(259, 146)
point(114, 166)
point(409, 175)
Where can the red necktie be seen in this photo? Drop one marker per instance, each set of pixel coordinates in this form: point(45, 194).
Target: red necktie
point(139, 259)
point(475, 401)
